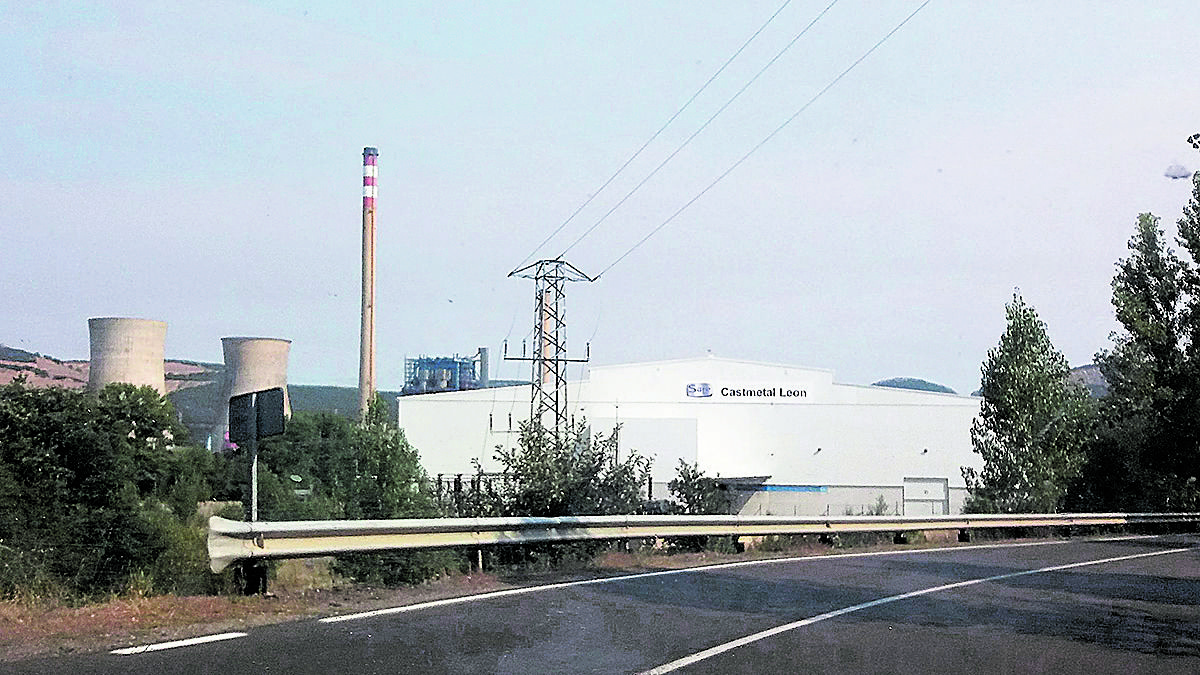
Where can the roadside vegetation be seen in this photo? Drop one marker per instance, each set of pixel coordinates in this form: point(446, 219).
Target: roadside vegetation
point(1047, 446)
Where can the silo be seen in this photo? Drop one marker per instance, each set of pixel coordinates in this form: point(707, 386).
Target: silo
point(482, 379)
point(126, 350)
point(252, 364)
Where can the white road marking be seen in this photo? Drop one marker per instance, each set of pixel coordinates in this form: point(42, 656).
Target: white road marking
point(177, 643)
point(1129, 537)
point(663, 573)
point(740, 642)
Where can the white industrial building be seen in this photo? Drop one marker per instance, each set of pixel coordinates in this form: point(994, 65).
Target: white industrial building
point(785, 440)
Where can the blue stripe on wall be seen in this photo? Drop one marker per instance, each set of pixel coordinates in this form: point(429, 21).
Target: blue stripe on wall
point(792, 488)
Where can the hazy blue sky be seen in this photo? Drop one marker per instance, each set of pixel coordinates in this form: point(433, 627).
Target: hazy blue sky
point(199, 163)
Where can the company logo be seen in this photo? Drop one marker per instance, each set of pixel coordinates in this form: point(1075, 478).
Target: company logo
point(699, 390)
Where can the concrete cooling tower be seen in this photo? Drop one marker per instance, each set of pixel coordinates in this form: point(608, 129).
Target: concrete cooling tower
point(251, 364)
point(126, 350)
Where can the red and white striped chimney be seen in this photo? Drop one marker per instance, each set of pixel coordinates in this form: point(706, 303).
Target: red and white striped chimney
point(366, 355)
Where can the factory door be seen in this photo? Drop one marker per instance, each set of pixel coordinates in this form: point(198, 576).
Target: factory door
point(926, 496)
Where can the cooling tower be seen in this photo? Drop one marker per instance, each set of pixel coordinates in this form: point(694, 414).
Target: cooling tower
point(126, 350)
point(251, 364)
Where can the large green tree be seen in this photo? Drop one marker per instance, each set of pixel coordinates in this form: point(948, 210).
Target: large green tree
point(1147, 455)
point(82, 484)
point(1033, 422)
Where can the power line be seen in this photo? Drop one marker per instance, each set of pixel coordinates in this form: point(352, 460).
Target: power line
point(701, 129)
point(654, 136)
point(764, 141)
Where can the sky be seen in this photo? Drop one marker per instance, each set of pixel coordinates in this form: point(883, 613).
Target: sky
point(200, 164)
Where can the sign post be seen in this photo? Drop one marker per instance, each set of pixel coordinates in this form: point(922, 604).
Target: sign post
point(252, 417)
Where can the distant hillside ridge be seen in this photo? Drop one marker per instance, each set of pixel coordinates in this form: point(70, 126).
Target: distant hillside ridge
point(1091, 378)
point(13, 354)
point(915, 383)
point(41, 370)
point(1087, 375)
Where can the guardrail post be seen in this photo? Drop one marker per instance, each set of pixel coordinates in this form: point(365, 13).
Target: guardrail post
point(251, 576)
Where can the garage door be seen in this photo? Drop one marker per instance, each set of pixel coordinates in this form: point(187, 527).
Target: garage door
point(926, 496)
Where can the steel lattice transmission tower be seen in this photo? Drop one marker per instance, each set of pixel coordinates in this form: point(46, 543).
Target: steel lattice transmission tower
point(548, 406)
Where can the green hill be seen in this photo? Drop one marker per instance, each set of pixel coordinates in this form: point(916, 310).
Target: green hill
point(13, 354)
point(323, 398)
point(914, 383)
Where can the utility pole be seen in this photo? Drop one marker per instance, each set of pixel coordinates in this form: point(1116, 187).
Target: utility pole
point(548, 404)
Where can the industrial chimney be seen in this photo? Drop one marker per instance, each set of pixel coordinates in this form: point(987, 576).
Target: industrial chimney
point(366, 354)
point(126, 350)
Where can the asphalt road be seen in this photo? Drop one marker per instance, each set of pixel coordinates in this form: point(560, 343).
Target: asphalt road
point(1127, 606)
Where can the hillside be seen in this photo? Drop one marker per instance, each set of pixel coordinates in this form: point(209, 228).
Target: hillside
point(40, 371)
point(46, 371)
point(1088, 375)
point(194, 387)
point(1091, 378)
point(914, 383)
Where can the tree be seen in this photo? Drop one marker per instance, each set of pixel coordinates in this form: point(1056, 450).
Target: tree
point(1147, 453)
point(574, 474)
point(79, 487)
point(1033, 422)
point(695, 492)
point(389, 483)
point(364, 470)
point(145, 423)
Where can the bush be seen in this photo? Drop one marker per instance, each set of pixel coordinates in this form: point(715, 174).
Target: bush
point(94, 498)
point(183, 568)
point(697, 494)
point(574, 474)
point(400, 568)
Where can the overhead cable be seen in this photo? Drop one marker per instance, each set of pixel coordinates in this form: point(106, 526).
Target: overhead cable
point(701, 129)
point(654, 136)
point(764, 141)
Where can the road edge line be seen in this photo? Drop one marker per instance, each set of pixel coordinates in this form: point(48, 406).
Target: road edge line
point(142, 649)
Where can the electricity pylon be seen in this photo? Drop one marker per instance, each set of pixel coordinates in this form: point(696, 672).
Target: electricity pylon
point(548, 404)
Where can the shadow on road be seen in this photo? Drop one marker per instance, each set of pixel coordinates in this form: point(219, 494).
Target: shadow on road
point(1148, 613)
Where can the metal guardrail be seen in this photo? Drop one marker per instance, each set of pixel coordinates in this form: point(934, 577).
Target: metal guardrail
point(230, 541)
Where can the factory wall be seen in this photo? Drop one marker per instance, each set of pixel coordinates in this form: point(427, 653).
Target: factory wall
point(821, 447)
